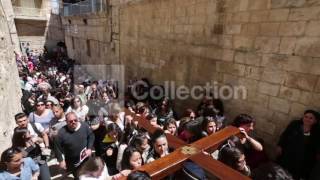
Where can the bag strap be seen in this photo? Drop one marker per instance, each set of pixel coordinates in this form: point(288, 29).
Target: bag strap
point(36, 130)
point(33, 118)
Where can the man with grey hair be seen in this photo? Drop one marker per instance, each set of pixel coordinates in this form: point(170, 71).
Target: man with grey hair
point(74, 141)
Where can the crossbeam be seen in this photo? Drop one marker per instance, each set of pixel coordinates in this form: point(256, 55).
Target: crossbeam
point(174, 142)
point(172, 162)
point(217, 168)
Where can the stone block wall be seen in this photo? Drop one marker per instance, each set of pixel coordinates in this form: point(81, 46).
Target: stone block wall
point(9, 14)
point(269, 46)
point(37, 31)
point(89, 39)
point(55, 31)
point(272, 47)
point(10, 91)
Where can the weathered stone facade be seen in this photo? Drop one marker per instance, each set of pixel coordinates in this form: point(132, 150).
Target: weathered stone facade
point(37, 23)
point(10, 91)
point(90, 33)
point(272, 47)
point(8, 11)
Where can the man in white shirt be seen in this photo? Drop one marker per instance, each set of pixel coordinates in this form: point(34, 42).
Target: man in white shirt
point(35, 130)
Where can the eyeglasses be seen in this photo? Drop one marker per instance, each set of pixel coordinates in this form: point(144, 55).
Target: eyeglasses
point(72, 120)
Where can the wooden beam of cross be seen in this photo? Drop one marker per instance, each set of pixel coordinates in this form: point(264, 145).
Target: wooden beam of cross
point(169, 164)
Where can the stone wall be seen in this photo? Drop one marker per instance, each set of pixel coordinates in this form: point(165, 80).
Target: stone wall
point(272, 47)
point(8, 11)
point(35, 28)
point(55, 31)
point(39, 33)
point(89, 39)
point(10, 92)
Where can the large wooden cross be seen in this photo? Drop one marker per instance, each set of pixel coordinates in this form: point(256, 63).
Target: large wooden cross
point(169, 164)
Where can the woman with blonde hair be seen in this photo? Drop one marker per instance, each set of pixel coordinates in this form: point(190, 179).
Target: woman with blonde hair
point(116, 115)
point(79, 108)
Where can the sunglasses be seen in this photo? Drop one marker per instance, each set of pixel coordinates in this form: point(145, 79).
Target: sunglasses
point(11, 152)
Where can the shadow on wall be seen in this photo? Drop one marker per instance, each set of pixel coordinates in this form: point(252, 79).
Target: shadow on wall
point(55, 32)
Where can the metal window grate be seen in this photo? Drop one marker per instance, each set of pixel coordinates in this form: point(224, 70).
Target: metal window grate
point(84, 7)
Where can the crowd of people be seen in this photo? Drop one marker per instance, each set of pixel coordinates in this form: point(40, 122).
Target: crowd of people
point(84, 126)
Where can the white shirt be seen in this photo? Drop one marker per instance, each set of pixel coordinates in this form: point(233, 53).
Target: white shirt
point(32, 131)
point(104, 175)
point(120, 123)
point(28, 86)
point(80, 112)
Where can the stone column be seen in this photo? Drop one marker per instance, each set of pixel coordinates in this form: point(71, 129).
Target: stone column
point(10, 91)
point(9, 15)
